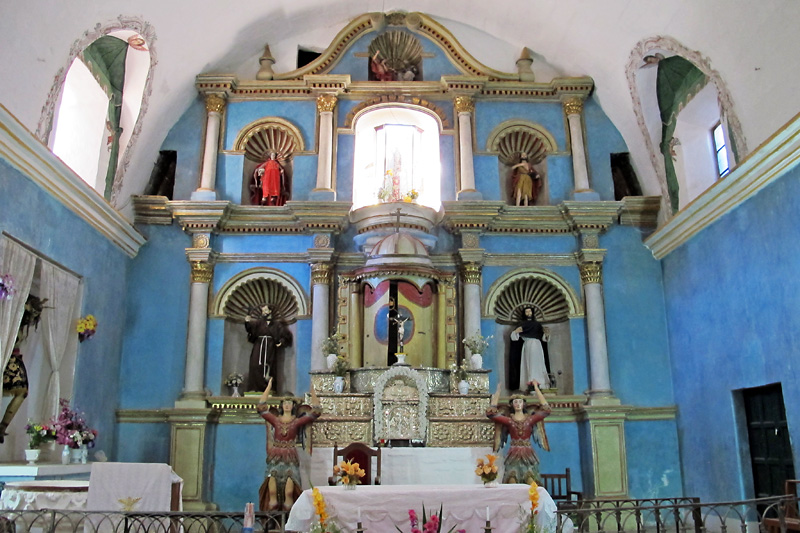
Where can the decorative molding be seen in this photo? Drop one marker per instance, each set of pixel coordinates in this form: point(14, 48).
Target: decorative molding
point(291, 286)
point(498, 288)
point(321, 274)
point(526, 134)
point(769, 162)
point(535, 260)
point(471, 273)
point(123, 22)
point(278, 131)
point(201, 240)
point(394, 100)
point(202, 272)
point(24, 152)
point(591, 272)
point(326, 103)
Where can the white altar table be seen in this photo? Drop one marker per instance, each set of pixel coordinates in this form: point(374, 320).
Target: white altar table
point(52, 494)
point(382, 507)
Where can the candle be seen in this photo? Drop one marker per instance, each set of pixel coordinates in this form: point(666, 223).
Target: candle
point(487, 513)
point(359, 514)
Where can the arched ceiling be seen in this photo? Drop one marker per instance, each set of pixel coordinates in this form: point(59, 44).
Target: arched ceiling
point(751, 44)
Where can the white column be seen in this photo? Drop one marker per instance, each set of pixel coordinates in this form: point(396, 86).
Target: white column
point(320, 303)
point(325, 105)
point(573, 108)
point(208, 172)
point(465, 107)
point(472, 300)
point(194, 373)
point(600, 381)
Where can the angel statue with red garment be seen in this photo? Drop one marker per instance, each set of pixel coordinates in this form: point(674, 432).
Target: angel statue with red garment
point(286, 426)
point(269, 183)
point(524, 428)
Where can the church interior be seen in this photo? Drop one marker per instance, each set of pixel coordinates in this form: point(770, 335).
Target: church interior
point(299, 192)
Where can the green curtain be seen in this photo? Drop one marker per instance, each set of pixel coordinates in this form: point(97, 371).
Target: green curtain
point(677, 82)
point(105, 58)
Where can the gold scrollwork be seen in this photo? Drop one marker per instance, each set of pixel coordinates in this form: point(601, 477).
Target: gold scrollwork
point(591, 273)
point(321, 273)
point(326, 103)
point(215, 103)
point(202, 272)
point(573, 106)
point(471, 273)
point(464, 104)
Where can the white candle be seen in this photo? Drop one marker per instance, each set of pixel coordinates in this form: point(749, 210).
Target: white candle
point(487, 513)
point(359, 514)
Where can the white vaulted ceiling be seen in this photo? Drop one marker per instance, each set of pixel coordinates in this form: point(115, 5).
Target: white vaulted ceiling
point(752, 45)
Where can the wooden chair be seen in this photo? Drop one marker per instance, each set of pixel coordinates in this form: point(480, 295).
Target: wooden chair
point(360, 453)
point(560, 488)
point(791, 520)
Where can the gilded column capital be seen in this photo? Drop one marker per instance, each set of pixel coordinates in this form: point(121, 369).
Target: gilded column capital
point(573, 106)
point(202, 272)
point(464, 104)
point(321, 273)
point(326, 103)
point(471, 273)
point(215, 103)
point(591, 273)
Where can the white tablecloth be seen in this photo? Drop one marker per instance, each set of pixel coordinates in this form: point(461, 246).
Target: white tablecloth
point(384, 506)
point(35, 495)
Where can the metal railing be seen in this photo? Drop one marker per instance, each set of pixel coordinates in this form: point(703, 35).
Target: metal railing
point(678, 515)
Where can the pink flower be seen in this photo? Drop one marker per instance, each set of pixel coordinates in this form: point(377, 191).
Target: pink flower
point(412, 516)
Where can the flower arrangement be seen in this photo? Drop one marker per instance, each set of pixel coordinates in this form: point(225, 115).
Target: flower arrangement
point(487, 470)
point(71, 427)
point(459, 372)
point(429, 525)
point(234, 379)
point(411, 196)
point(87, 327)
point(341, 366)
point(385, 193)
point(477, 343)
point(348, 473)
point(39, 434)
point(331, 344)
point(6, 287)
point(323, 525)
point(530, 521)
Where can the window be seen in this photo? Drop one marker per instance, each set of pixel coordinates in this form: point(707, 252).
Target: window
point(721, 147)
point(396, 154)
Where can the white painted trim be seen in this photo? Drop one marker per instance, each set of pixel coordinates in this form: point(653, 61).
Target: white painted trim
point(27, 154)
point(774, 158)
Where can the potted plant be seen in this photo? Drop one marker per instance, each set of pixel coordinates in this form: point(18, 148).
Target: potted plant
point(38, 434)
point(477, 345)
point(340, 368)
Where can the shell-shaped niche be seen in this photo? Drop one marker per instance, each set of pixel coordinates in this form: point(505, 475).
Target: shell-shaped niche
point(512, 145)
point(270, 138)
point(547, 300)
point(257, 292)
point(402, 52)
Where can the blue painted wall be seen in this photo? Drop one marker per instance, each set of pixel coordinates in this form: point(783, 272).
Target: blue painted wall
point(32, 216)
point(732, 300)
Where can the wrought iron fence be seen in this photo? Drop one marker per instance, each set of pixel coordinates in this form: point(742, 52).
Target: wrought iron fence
point(671, 515)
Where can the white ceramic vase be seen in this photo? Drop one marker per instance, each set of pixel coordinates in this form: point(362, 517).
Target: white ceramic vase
point(32, 455)
point(463, 387)
point(476, 361)
point(338, 384)
point(331, 360)
point(235, 392)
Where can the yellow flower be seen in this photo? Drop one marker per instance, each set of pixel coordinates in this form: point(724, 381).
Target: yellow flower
point(319, 505)
point(533, 492)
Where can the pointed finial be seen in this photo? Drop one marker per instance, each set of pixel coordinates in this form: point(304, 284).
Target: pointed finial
point(266, 60)
point(524, 65)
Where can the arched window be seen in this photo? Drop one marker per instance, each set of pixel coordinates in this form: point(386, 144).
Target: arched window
point(99, 106)
point(396, 158)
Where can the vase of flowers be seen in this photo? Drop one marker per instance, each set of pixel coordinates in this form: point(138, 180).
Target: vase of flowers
point(477, 344)
point(73, 432)
point(6, 287)
point(234, 381)
point(487, 470)
point(348, 474)
point(330, 348)
point(87, 327)
point(460, 377)
point(340, 368)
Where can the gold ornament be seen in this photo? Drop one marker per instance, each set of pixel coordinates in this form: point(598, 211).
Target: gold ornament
point(471, 273)
point(573, 106)
point(591, 273)
point(202, 272)
point(464, 104)
point(215, 103)
point(321, 273)
point(326, 103)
